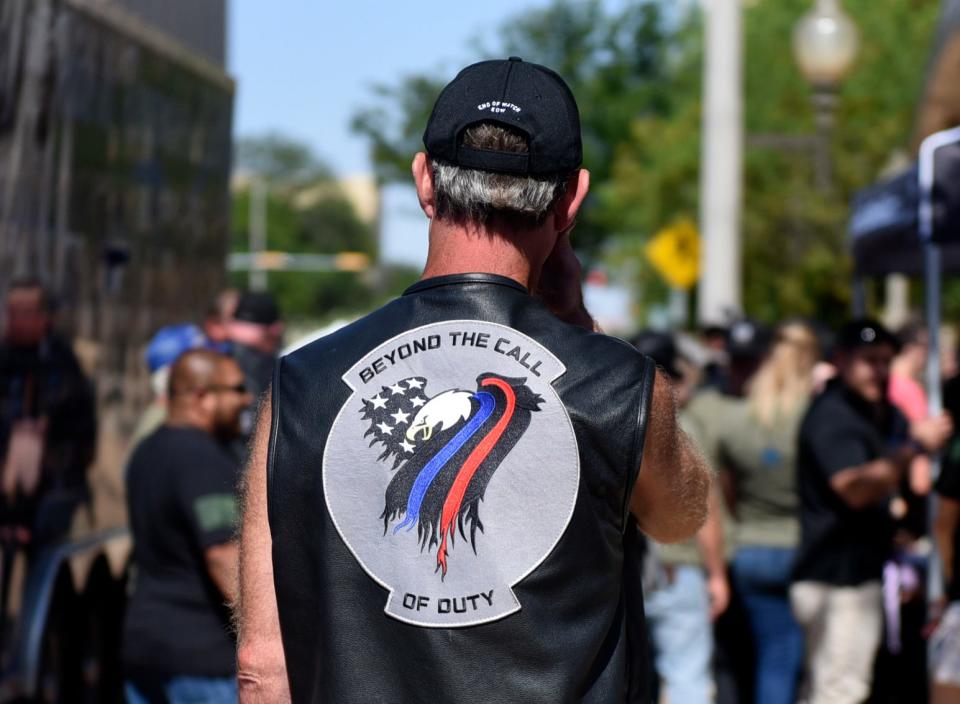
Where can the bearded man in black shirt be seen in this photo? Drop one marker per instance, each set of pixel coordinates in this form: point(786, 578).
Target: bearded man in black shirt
point(180, 490)
point(854, 450)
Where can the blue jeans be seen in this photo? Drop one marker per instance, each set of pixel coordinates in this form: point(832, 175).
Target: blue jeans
point(678, 613)
point(762, 579)
point(182, 690)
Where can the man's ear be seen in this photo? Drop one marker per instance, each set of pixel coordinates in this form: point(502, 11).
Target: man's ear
point(423, 180)
point(565, 210)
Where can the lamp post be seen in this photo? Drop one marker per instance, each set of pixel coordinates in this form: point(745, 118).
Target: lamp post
point(825, 43)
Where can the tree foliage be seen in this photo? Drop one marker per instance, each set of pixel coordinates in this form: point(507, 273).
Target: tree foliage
point(280, 160)
point(636, 72)
point(328, 224)
point(795, 258)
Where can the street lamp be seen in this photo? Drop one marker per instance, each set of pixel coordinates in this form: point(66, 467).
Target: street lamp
point(825, 43)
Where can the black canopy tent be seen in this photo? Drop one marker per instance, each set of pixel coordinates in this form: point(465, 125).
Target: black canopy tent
point(884, 229)
point(910, 224)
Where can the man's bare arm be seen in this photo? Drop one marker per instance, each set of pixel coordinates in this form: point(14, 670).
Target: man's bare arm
point(710, 543)
point(261, 668)
point(669, 498)
point(873, 482)
point(221, 561)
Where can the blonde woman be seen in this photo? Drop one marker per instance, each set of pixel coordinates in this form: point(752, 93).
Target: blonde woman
point(759, 451)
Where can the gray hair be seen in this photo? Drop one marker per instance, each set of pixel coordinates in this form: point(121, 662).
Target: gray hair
point(470, 195)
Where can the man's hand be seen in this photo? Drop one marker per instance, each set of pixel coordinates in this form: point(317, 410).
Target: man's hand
point(710, 543)
point(24, 462)
point(932, 433)
point(935, 613)
point(718, 589)
point(560, 288)
point(867, 484)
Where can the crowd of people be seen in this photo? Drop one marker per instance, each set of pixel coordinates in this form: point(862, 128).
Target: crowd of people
point(182, 480)
point(807, 581)
point(181, 477)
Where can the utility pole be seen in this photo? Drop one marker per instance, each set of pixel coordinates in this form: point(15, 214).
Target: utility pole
point(721, 163)
point(258, 230)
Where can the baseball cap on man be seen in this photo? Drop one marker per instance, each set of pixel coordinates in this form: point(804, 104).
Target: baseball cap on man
point(865, 333)
point(519, 95)
point(257, 307)
point(172, 341)
point(659, 346)
point(748, 339)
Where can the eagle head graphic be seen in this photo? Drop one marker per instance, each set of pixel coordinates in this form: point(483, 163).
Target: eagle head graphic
point(445, 450)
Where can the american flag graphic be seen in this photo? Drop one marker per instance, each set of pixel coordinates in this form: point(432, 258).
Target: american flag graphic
point(389, 414)
point(445, 449)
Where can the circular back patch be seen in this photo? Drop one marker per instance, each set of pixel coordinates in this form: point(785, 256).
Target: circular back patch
point(452, 470)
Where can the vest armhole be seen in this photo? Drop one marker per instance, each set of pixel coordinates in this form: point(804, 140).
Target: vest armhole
point(644, 400)
point(274, 429)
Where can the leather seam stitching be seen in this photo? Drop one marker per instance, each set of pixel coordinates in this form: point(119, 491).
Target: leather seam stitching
point(640, 434)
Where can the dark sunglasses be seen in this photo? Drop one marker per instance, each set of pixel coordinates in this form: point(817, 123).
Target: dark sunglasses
point(240, 388)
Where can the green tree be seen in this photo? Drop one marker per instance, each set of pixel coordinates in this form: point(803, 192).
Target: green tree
point(795, 253)
point(280, 160)
point(794, 248)
point(327, 224)
point(637, 76)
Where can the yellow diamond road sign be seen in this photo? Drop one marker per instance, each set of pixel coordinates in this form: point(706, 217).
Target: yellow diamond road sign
point(675, 254)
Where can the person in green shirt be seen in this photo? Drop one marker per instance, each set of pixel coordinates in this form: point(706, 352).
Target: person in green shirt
point(758, 454)
point(688, 588)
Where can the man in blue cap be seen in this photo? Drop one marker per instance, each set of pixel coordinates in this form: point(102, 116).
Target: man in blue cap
point(162, 351)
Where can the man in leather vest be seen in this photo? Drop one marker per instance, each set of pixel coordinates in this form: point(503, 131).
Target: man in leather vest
point(443, 504)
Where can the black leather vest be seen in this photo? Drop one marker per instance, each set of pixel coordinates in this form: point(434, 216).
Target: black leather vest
point(448, 499)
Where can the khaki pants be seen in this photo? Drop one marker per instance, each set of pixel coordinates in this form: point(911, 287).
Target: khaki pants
point(843, 626)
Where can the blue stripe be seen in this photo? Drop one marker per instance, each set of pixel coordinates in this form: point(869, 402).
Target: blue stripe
point(439, 460)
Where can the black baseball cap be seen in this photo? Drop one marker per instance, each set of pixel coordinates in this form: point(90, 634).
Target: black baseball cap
point(257, 307)
point(748, 339)
point(522, 96)
point(865, 332)
point(659, 346)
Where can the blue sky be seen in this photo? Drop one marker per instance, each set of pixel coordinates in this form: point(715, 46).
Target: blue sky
point(304, 66)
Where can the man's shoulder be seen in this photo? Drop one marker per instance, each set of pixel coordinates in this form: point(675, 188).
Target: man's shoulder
point(830, 402)
point(573, 344)
point(711, 402)
point(831, 410)
point(182, 449)
point(60, 349)
point(707, 417)
point(600, 348)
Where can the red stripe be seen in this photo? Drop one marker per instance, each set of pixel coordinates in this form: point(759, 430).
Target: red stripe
point(454, 500)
